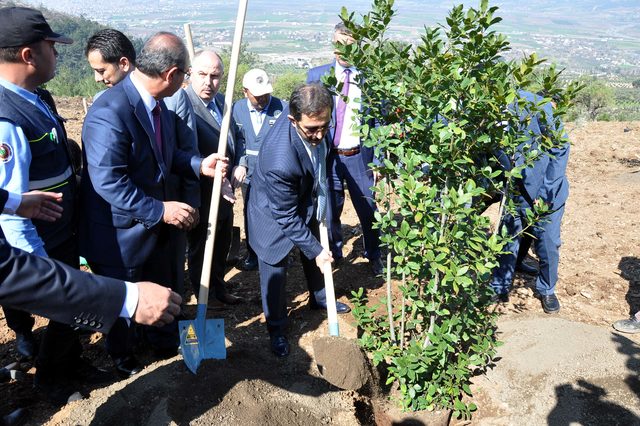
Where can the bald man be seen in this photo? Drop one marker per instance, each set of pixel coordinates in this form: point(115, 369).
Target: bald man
point(207, 72)
point(130, 151)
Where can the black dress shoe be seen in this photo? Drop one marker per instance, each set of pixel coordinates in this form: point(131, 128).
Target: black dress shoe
point(127, 366)
point(85, 372)
point(230, 299)
point(341, 308)
point(280, 346)
point(527, 268)
point(500, 298)
point(15, 418)
point(55, 392)
point(26, 345)
point(165, 353)
point(249, 264)
point(376, 267)
point(550, 303)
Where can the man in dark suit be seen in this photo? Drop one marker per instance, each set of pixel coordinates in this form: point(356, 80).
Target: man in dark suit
point(130, 149)
point(283, 206)
point(255, 116)
point(206, 74)
point(54, 290)
point(543, 182)
point(112, 57)
point(349, 159)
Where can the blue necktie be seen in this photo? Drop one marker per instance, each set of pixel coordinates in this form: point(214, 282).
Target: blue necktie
point(321, 176)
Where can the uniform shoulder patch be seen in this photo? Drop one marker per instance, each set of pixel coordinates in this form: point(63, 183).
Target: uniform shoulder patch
point(6, 153)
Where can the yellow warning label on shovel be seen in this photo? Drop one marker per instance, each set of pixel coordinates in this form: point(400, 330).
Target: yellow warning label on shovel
point(191, 338)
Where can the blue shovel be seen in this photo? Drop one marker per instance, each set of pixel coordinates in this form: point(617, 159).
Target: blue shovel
point(203, 338)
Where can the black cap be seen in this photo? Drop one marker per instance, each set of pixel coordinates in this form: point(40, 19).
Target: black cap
point(22, 26)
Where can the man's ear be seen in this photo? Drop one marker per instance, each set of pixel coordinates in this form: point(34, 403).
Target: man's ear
point(290, 117)
point(26, 55)
point(171, 74)
point(125, 64)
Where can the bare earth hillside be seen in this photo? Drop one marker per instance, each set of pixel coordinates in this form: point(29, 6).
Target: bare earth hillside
point(563, 369)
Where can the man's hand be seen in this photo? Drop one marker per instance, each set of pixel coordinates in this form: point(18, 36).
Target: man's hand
point(227, 191)
point(209, 164)
point(238, 176)
point(157, 305)
point(41, 205)
point(180, 215)
point(324, 257)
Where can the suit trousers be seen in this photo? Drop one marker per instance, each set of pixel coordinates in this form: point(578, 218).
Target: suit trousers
point(273, 282)
point(197, 239)
point(60, 346)
point(359, 180)
point(158, 268)
point(546, 234)
point(246, 193)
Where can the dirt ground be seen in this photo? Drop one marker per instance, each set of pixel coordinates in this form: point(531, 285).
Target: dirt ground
point(564, 369)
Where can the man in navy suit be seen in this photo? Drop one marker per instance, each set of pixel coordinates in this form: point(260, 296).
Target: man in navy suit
point(349, 159)
point(255, 116)
point(544, 182)
point(283, 206)
point(54, 290)
point(57, 291)
point(130, 150)
point(206, 75)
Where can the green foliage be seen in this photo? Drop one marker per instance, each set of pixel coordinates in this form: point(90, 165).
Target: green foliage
point(446, 107)
point(74, 76)
point(284, 84)
point(594, 99)
point(246, 61)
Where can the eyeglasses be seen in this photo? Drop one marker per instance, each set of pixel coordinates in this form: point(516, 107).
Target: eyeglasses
point(312, 131)
point(186, 73)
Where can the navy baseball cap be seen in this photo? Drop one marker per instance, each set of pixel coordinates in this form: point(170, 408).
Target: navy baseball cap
point(22, 26)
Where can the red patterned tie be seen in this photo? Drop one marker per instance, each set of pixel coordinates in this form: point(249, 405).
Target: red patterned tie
point(341, 108)
point(157, 126)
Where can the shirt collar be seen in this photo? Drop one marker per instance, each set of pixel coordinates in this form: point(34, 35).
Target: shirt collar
point(30, 96)
point(148, 100)
point(264, 110)
point(340, 70)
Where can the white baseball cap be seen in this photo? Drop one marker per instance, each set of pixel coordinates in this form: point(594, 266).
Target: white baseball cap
point(257, 82)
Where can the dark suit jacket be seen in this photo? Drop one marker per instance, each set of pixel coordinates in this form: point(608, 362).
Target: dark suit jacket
point(281, 206)
point(254, 141)
point(187, 189)
point(125, 178)
point(56, 291)
point(315, 75)
point(208, 132)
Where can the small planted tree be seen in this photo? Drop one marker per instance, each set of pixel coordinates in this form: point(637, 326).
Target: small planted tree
point(450, 110)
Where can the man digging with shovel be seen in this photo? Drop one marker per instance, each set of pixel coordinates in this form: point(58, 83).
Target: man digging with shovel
point(283, 210)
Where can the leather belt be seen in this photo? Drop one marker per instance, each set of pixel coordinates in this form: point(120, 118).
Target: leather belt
point(347, 152)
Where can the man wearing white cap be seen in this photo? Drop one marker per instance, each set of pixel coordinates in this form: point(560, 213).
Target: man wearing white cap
point(255, 115)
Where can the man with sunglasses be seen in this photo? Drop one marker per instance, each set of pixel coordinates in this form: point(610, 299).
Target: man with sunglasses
point(288, 198)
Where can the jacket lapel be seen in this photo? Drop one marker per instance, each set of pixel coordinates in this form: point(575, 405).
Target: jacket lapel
point(297, 143)
point(141, 115)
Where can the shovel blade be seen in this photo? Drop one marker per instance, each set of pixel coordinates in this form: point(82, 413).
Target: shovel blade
point(190, 344)
point(201, 339)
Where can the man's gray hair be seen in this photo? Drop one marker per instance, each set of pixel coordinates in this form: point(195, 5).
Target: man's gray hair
point(161, 52)
point(310, 100)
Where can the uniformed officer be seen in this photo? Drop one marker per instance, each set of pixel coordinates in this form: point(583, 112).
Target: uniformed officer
point(34, 156)
point(255, 115)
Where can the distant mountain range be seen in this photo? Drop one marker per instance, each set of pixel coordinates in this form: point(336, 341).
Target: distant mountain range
point(586, 36)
